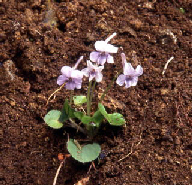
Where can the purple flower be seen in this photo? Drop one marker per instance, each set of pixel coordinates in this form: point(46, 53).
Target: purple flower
point(103, 51)
point(93, 71)
point(130, 75)
point(71, 76)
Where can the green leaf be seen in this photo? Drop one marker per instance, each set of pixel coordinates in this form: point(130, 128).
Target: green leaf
point(116, 119)
point(102, 110)
point(68, 110)
point(64, 116)
point(79, 100)
point(83, 118)
point(78, 115)
point(86, 153)
point(97, 118)
point(52, 119)
point(86, 119)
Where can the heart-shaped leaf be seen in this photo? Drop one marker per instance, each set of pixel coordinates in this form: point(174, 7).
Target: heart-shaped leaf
point(86, 153)
point(52, 119)
point(116, 119)
point(79, 100)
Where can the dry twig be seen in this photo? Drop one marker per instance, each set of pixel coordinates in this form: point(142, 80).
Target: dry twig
point(131, 152)
point(166, 65)
point(54, 93)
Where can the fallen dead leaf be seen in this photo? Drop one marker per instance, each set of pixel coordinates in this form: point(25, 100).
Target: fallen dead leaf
point(83, 181)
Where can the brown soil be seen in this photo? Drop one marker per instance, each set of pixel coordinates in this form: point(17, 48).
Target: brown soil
point(156, 143)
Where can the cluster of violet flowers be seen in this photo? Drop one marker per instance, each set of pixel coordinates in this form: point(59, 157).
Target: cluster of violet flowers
point(73, 77)
point(89, 123)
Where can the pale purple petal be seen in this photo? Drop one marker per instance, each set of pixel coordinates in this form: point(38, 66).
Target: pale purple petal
point(110, 37)
point(90, 65)
point(102, 59)
point(85, 72)
point(94, 56)
point(121, 80)
point(70, 85)
point(110, 59)
point(100, 46)
point(93, 71)
point(76, 74)
point(103, 46)
point(134, 81)
point(78, 83)
point(128, 69)
point(123, 60)
point(128, 84)
point(66, 70)
point(131, 81)
point(101, 68)
point(91, 76)
point(98, 77)
point(110, 49)
point(78, 61)
point(61, 79)
point(139, 70)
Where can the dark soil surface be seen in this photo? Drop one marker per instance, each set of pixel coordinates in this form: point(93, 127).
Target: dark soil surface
point(37, 39)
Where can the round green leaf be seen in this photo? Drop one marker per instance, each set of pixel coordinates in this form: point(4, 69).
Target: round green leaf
point(116, 119)
point(79, 100)
point(52, 119)
point(86, 153)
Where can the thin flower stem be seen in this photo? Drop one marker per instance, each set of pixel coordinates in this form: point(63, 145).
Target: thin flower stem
point(71, 98)
point(88, 98)
point(92, 92)
point(109, 86)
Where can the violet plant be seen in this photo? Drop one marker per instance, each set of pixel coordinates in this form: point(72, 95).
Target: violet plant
point(89, 122)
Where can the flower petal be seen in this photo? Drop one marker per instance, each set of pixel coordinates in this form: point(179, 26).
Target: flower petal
point(121, 80)
point(128, 69)
point(110, 59)
point(78, 61)
point(66, 70)
point(70, 85)
point(94, 56)
point(61, 79)
point(139, 70)
point(76, 74)
point(85, 72)
point(78, 83)
point(131, 82)
point(91, 76)
point(90, 65)
point(110, 37)
point(102, 59)
point(98, 77)
point(102, 46)
point(109, 48)
point(123, 60)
